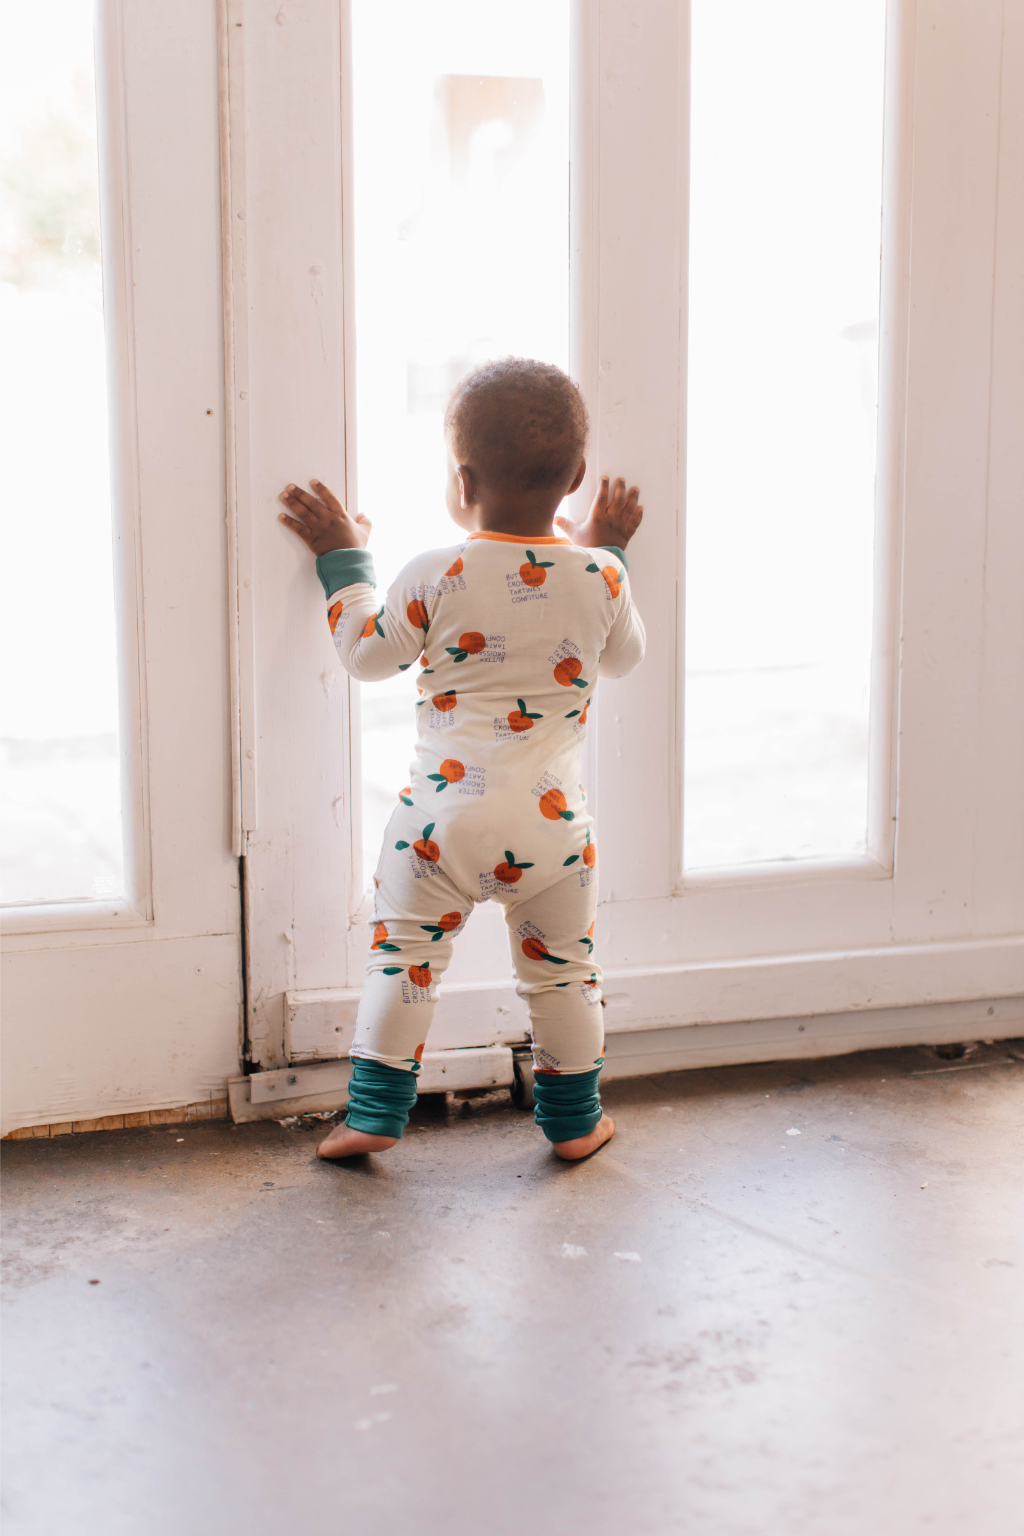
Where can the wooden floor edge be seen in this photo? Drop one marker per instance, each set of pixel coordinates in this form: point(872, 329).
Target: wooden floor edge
point(213, 1108)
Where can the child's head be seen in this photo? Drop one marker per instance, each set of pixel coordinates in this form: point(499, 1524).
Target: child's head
point(516, 433)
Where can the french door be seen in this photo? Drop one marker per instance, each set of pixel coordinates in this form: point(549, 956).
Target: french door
point(122, 982)
point(811, 835)
point(885, 910)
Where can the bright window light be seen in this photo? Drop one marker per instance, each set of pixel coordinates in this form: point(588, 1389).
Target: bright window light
point(786, 159)
point(60, 805)
point(461, 227)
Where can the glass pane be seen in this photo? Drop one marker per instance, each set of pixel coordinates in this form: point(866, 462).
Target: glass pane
point(61, 821)
point(462, 254)
point(784, 278)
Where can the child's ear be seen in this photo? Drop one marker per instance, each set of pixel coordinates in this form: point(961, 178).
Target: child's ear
point(467, 489)
point(577, 480)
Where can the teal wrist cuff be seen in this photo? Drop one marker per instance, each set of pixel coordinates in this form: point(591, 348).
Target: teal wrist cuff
point(380, 1097)
point(343, 568)
point(568, 1105)
point(613, 549)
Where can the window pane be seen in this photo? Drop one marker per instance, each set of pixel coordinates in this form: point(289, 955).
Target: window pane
point(784, 279)
point(61, 796)
point(462, 254)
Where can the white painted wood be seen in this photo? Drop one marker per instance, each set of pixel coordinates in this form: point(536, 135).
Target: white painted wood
point(794, 1039)
point(293, 1082)
point(316, 1100)
point(479, 1067)
point(674, 996)
point(299, 858)
point(237, 418)
point(932, 913)
point(640, 1053)
point(134, 1005)
point(109, 1031)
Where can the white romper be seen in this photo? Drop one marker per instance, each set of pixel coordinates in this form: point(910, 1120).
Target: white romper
point(511, 636)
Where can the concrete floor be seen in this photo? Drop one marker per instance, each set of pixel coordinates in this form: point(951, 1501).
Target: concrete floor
point(714, 1327)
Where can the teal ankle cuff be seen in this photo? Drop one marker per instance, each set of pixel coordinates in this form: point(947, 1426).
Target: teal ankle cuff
point(379, 1097)
point(568, 1105)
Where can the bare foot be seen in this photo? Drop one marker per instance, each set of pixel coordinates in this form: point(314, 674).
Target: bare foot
point(343, 1141)
point(582, 1146)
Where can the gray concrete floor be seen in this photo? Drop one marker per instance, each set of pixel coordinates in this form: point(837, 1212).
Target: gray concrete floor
point(713, 1327)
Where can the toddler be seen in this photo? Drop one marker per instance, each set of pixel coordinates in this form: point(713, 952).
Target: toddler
point(511, 628)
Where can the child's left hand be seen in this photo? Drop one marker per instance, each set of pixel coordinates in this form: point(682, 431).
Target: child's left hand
point(324, 524)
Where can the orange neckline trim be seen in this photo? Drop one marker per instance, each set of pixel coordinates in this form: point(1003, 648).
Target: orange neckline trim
point(514, 538)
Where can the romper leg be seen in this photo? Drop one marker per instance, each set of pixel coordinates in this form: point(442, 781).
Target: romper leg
point(417, 913)
point(552, 943)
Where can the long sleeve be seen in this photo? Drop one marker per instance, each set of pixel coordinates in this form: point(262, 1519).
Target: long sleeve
point(372, 641)
point(627, 641)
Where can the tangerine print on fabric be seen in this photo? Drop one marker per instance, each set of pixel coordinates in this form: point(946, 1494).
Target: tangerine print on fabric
point(567, 672)
point(423, 847)
point(613, 579)
point(520, 718)
point(511, 870)
point(334, 613)
point(446, 924)
point(373, 625)
point(534, 949)
point(589, 854)
point(470, 644)
point(553, 806)
point(451, 772)
point(417, 614)
point(534, 572)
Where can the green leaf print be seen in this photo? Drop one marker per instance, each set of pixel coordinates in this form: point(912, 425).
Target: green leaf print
point(571, 860)
point(393, 970)
point(401, 845)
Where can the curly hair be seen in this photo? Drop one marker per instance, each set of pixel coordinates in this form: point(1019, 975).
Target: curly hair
point(518, 424)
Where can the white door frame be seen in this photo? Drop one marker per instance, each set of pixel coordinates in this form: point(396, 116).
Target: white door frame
point(129, 1006)
point(932, 915)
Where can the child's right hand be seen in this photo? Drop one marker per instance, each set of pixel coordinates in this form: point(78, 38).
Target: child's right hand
point(324, 524)
point(614, 517)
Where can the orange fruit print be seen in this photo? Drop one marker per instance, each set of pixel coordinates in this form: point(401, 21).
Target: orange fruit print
point(456, 569)
point(418, 1052)
point(533, 949)
point(613, 578)
point(535, 572)
point(444, 701)
point(520, 719)
point(553, 806)
point(419, 975)
point(446, 924)
point(589, 854)
point(567, 672)
point(511, 870)
point(425, 848)
point(334, 613)
point(470, 644)
point(380, 939)
point(451, 771)
point(417, 614)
